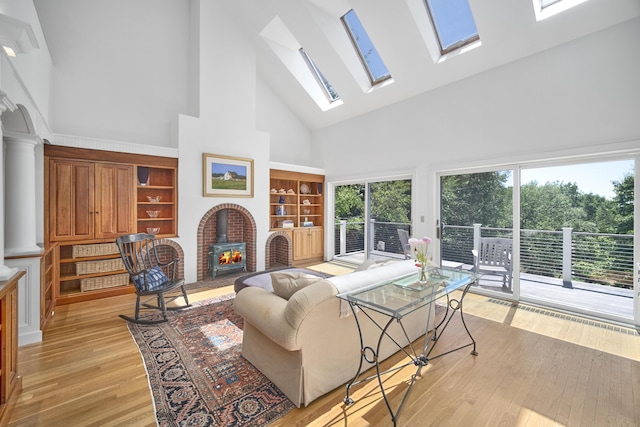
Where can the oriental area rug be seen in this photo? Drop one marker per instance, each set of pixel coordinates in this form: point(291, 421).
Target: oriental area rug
point(197, 374)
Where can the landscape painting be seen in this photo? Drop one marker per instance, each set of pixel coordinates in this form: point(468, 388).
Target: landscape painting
point(227, 176)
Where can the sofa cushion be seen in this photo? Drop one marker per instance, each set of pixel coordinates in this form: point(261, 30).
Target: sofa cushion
point(287, 283)
point(370, 264)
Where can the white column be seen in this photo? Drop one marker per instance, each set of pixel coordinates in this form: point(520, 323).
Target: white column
point(5, 271)
point(20, 194)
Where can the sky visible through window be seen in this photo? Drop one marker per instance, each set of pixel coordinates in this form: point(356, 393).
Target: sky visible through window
point(331, 93)
point(593, 178)
point(453, 21)
point(368, 53)
point(546, 3)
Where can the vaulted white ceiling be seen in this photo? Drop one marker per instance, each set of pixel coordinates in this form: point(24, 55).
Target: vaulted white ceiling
point(508, 32)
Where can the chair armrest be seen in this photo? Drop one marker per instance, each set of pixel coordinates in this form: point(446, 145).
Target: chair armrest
point(170, 266)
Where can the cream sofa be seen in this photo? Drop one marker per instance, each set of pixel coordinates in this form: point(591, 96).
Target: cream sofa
point(309, 345)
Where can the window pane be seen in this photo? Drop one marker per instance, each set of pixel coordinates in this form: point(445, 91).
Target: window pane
point(453, 22)
point(328, 89)
point(546, 3)
point(367, 52)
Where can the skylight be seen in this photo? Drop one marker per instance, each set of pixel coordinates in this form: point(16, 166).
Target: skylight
point(453, 22)
point(371, 61)
point(329, 91)
point(547, 8)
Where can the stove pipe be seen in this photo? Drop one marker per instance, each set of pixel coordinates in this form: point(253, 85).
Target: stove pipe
point(221, 226)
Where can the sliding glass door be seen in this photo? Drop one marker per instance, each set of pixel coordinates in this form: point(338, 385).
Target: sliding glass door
point(572, 246)
point(577, 237)
point(367, 218)
point(476, 206)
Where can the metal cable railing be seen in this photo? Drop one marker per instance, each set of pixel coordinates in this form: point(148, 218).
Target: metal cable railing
point(599, 258)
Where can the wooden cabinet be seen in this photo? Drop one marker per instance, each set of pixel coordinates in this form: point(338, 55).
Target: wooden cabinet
point(10, 381)
point(308, 243)
point(90, 200)
point(113, 200)
point(296, 203)
point(94, 197)
point(71, 200)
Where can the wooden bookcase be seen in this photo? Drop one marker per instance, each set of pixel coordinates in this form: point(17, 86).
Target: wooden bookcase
point(49, 278)
point(93, 197)
point(157, 195)
point(298, 198)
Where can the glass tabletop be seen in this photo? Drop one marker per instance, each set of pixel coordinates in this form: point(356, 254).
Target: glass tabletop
point(401, 296)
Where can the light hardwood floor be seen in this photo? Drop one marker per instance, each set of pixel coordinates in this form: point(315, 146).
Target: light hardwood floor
point(533, 369)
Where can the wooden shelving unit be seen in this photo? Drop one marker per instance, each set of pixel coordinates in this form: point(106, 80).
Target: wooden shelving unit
point(97, 196)
point(49, 277)
point(298, 198)
point(162, 184)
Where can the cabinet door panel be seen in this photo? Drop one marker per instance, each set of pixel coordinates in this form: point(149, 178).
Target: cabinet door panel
point(316, 243)
point(300, 244)
point(71, 201)
point(114, 200)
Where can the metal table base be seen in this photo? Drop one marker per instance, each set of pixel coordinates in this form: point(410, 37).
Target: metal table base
point(370, 355)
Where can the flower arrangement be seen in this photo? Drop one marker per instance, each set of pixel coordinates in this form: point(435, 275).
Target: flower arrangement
point(420, 249)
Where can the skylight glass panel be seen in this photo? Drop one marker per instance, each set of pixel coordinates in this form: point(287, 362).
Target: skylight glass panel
point(548, 8)
point(547, 3)
point(453, 22)
point(373, 65)
point(329, 91)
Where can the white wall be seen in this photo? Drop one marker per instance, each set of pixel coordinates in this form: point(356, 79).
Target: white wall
point(121, 68)
point(290, 138)
point(580, 95)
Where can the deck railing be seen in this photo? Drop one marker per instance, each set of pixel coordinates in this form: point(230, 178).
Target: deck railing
point(601, 258)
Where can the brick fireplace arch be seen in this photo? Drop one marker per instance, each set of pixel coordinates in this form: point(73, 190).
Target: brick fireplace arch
point(241, 228)
point(279, 250)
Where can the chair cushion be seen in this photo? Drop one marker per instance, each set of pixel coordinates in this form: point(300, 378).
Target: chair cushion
point(286, 284)
point(155, 279)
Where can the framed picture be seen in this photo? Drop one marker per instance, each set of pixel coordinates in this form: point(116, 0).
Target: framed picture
point(226, 176)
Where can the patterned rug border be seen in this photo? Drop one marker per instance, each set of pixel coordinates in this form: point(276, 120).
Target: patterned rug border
point(166, 420)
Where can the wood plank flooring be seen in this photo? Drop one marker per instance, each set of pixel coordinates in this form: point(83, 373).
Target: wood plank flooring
point(533, 369)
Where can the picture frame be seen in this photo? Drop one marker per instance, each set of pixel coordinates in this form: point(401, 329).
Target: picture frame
point(226, 176)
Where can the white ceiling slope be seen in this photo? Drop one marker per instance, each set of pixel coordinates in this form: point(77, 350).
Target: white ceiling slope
point(508, 31)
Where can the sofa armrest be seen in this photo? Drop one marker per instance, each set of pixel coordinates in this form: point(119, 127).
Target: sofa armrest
point(265, 311)
point(304, 300)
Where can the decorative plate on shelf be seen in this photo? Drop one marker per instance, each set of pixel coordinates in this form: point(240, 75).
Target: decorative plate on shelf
point(304, 189)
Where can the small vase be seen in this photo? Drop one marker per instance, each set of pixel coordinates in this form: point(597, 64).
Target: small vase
point(424, 273)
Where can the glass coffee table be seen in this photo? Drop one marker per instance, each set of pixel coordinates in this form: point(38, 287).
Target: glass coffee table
point(396, 299)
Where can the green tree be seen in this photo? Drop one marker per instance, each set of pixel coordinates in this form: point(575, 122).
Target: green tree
point(624, 202)
point(349, 203)
point(391, 201)
point(481, 198)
